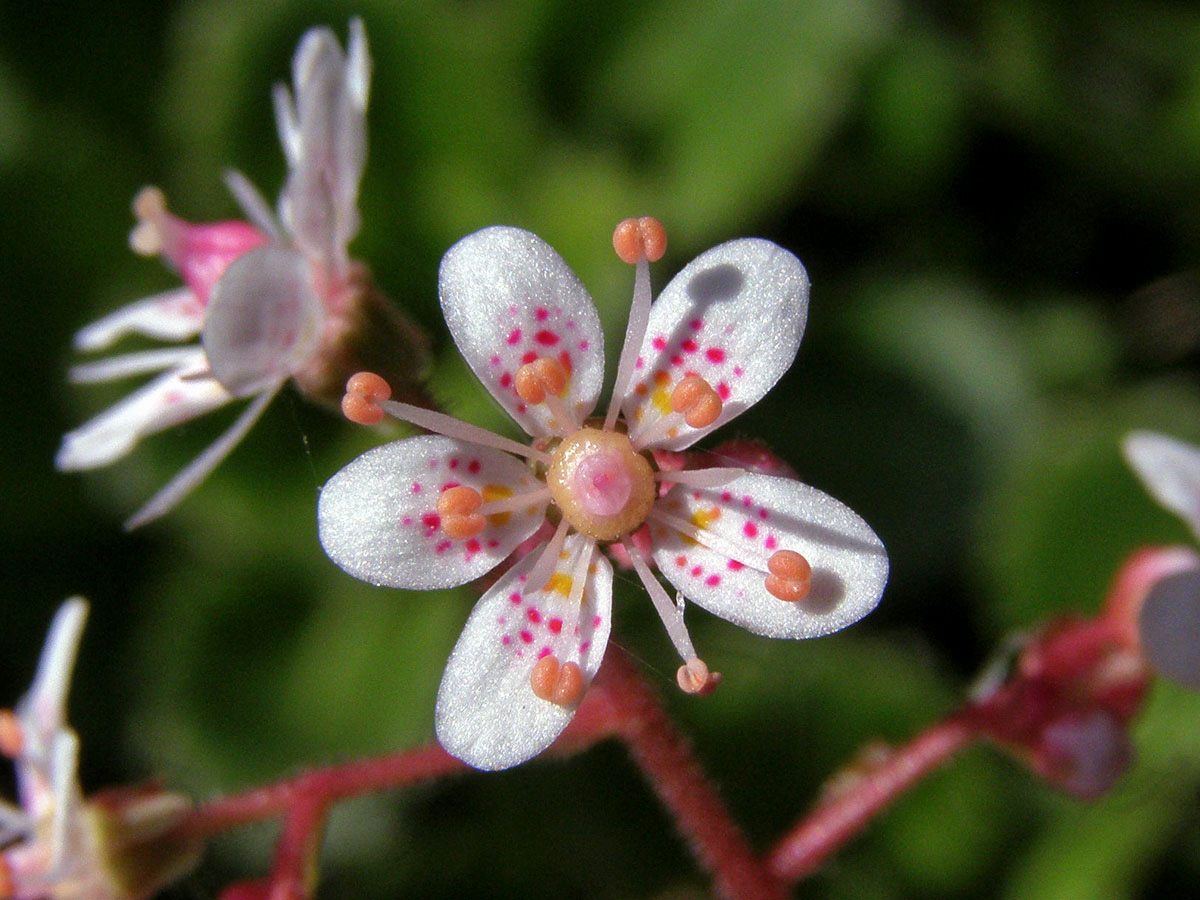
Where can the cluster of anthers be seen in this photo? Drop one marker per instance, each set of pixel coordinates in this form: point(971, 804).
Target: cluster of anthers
point(771, 554)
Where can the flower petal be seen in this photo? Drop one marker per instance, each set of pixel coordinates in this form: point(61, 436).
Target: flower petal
point(487, 713)
point(174, 397)
point(1170, 470)
point(378, 516)
point(324, 137)
point(170, 316)
point(264, 320)
point(747, 520)
point(43, 710)
point(509, 299)
point(733, 316)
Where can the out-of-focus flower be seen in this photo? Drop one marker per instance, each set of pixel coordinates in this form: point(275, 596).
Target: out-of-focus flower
point(117, 845)
point(1169, 613)
point(275, 300)
point(770, 554)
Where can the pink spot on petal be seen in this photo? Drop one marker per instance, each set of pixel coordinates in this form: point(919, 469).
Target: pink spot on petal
point(473, 547)
point(449, 484)
point(715, 354)
point(583, 648)
point(527, 637)
point(454, 463)
point(540, 314)
point(555, 625)
point(407, 520)
point(596, 622)
point(723, 391)
point(695, 324)
point(506, 640)
point(493, 544)
point(762, 514)
point(416, 487)
point(533, 615)
point(583, 345)
point(750, 530)
point(735, 566)
point(747, 502)
point(473, 466)
point(697, 571)
point(738, 371)
point(505, 380)
point(689, 346)
point(495, 360)
point(544, 652)
point(529, 357)
point(432, 522)
point(546, 338)
point(514, 598)
point(681, 561)
point(712, 580)
point(726, 496)
point(442, 547)
point(514, 337)
point(770, 543)
point(640, 363)
point(677, 360)
point(659, 343)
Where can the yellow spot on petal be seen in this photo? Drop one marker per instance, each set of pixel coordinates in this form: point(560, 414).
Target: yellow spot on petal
point(559, 583)
point(702, 518)
point(496, 492)
point(661, 399)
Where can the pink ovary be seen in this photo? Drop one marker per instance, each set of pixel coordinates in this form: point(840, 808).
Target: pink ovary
point(602, 484)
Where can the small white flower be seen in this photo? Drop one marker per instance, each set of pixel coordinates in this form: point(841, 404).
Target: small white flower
point(770, 554)
point(262, 297)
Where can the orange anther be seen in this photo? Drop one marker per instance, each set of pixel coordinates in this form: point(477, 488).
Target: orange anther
point(694, 677)
point(696, 399)
point(7, 889)
point(559, 684)
point(791, 575)
point(534, 380)
point(637, 238)
point(457, 507)
point(12, 738)
point(364, 391)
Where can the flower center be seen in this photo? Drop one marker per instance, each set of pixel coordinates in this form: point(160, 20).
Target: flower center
point(603, 486)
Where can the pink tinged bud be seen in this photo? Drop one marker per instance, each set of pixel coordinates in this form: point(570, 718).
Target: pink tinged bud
point(200, 253)
point(1084, 752)
point(1169, 625)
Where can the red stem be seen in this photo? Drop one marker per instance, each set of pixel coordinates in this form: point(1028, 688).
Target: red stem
point(667, 761)
point(832, 824)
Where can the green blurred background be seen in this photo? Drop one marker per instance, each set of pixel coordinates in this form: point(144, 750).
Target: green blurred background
point(999, 207)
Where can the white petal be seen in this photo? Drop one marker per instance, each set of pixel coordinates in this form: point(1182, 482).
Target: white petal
point(172, 398)
point(487, 713)
point(43, 711)
point(378, 516)
point(264, 320)
point(170, 316)
point(1170, 469)
point(748, 520)
point(733, 316)
point(509, 298)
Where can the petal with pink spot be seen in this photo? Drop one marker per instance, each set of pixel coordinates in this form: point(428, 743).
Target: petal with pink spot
point(509, 298)
point(487, 713)
point(378, 520)
point(734, 316)
point(728, 576)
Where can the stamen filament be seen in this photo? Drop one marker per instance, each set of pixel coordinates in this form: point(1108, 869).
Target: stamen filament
point(548, 561)
point(439, 423)
point(515, 502)
point(656, 430)
point(701, 478)
point(567, 422)
point(128, 364)
point(727, 548)
point(670, 613)
point(635, 336)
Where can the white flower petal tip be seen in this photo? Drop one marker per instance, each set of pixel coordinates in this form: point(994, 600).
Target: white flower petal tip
point(1170, 470)
point(43, 709)
point(509, 300)
point(1169, 627)
point(379, 520)
point(264, 320)
point(717, 545)
point(733, 317)
point(525, 658)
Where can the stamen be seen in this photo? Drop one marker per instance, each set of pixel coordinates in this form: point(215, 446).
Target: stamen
point(624, 238)
point(694, 677)
point(696, 399)
point(790, 575)
point(12, 736)
point(439, 423)
point(458, 508)
point(701, 478)
point(670, 613)
point(540, 574)
point(150, 206)
point(543, 381)
point(713, 541)
point(515, 502)
point(561, 685)
point(364, 392)
point(638, 239)
point(129, 364)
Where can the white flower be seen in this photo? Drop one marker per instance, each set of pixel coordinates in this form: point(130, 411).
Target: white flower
point(770, 554)
point(263, 298)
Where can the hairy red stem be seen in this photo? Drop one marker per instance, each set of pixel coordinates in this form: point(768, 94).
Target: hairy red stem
point(667, 761)
point(802, 850)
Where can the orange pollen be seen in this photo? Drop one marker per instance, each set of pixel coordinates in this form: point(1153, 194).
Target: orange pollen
point(534, 380)
point(12, 738)
point(558, 684)
point(696, 399)
point(457, 506)
point(635, 239)
point(790, 576)
point(364, 392)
